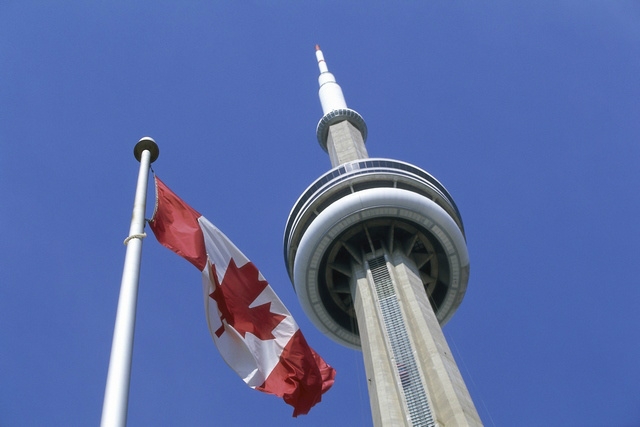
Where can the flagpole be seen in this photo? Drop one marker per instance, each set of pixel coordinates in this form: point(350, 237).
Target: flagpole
point(116, 395)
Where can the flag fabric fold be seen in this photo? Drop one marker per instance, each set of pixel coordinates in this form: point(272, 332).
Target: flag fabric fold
point(254, 332)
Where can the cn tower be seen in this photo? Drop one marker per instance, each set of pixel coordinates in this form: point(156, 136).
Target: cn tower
point(377, 254)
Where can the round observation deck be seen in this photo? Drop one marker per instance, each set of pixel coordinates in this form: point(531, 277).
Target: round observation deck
point(360, 207)
point(337, 116)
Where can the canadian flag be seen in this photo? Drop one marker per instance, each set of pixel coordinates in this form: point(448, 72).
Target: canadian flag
point(254, 332)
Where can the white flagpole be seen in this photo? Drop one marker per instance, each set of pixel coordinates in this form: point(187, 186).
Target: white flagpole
point(116, 395)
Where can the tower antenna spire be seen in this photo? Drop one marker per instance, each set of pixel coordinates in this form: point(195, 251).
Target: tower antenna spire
point(335, 110)
point(330, 92)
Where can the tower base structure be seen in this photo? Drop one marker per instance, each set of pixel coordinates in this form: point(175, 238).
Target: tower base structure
point(378, 258)
point(412, 377)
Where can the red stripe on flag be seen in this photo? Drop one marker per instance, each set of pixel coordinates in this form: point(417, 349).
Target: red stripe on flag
point(175, 225)
point(301, 376)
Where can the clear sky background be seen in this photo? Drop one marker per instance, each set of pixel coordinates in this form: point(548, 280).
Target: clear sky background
point(527, 113)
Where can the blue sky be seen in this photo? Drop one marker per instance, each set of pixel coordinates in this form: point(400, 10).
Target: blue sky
point(527, 113)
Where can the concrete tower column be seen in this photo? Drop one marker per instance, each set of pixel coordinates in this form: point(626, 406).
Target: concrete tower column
point(418, 382)
point(345, 144)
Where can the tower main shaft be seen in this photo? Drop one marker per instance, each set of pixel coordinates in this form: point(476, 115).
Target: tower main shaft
point(377, 254)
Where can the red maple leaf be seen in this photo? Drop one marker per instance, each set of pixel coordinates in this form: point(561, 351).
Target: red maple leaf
point(239, 289)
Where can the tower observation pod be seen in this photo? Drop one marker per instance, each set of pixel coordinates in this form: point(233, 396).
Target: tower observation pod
point(377, 254)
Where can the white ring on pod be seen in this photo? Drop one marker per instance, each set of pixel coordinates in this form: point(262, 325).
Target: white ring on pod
point(362, 206)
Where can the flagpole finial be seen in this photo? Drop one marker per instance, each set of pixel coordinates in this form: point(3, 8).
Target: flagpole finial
point(146, 143)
